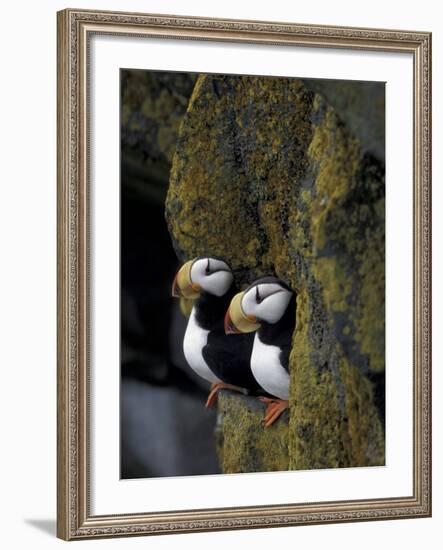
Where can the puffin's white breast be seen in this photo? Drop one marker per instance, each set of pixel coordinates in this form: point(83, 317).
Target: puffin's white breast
point(193, 344)
point(267, 369)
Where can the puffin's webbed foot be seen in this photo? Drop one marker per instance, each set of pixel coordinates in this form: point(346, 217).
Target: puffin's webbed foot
point(215, 388)
point(274, 409)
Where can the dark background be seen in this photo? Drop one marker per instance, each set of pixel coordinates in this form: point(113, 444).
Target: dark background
point(165, 429)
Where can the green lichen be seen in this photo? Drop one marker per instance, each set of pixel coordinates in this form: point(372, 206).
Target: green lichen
point(361, 105)
point(229, 185)
point(243, 444)
point(152, 107)
point(342, 338)
point(363, 434)
point(315, 432)
point(267, 175)
point(347, 220)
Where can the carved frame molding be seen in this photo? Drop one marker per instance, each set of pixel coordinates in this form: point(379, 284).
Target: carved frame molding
point(75, 28)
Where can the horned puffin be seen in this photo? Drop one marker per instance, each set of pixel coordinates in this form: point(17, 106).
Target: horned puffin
point(209, 352)
point(267, 307)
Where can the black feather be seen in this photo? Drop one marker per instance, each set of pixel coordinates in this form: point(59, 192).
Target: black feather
point(228, 356)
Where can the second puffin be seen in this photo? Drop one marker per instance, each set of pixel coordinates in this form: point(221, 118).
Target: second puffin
point(268, 307)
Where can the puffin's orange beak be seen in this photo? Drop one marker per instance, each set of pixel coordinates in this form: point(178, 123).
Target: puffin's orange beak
point(230, 328)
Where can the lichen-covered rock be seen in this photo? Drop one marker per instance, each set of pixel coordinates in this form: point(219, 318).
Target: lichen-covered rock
point(268, 176)
point(152, 107)
point(361, 105)
point(153, 104)
point(243, 444)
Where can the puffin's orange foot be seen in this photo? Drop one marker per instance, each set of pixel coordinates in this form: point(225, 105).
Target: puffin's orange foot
point(270, 403)
point(274, 409)
point(215, 388)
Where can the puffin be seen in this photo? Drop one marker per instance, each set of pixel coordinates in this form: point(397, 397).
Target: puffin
point(267, 307)
point(209, 281)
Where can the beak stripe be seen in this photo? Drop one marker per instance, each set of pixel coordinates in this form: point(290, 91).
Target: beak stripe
point(236, 320)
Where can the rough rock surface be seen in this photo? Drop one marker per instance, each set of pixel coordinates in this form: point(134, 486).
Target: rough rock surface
point(242, 443)
point(268, 176)
point(152, 107)
point(361, 105)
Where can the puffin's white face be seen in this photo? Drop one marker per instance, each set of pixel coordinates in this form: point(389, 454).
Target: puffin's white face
point(212, 276)
point(266, 302)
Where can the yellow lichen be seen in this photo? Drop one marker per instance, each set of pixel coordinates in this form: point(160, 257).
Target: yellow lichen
point(266, 175)
point(315, 434)
point(244, 444)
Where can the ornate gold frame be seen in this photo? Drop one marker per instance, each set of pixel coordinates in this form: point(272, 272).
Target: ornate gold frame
point(75, 28)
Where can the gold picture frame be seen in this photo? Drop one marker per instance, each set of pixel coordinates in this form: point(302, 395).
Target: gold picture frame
point(75, 28)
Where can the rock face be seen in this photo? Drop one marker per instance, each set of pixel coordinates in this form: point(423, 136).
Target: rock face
point(152, 107)
point(242, 443)
point(361, 105)
point(267, 175)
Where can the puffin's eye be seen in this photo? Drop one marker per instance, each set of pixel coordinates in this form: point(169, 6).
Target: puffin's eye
point(208, 268)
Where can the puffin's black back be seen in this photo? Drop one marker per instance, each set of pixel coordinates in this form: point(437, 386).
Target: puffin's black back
point(210, 310)
point(280, 334)
point(228, 356)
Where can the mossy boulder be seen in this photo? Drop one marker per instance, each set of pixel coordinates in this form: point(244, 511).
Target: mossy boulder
point(243, 444)
point(361, 105)
point(267, 175)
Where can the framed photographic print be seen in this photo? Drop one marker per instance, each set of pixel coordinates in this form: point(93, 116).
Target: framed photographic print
point(243, 274)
